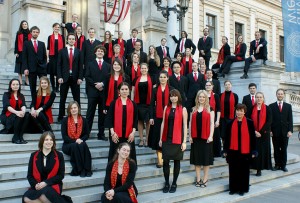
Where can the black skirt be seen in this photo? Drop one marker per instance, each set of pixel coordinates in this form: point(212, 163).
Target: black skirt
point(171, 151)
point(52, 65)
point(201, 152)
point(143, 112)
point(154, 134)
point(18, 64)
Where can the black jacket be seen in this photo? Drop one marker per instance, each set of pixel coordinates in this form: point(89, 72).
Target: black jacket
point(188, 44)
point(87, 52)
point(263, 52)
point(282, 122)
point(34, 62)
point(205, 46)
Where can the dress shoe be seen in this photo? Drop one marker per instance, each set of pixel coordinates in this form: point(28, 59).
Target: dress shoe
point(82, 174)
point(166, 188)
point(16, 142)
point(258, 173)
point(245, 76)
point(276, 168)
point(23, 141)
point(89, 174)
point(284, 169)
point(265, 62)
point(173, 188)
point(159, 165)
point(102, 138)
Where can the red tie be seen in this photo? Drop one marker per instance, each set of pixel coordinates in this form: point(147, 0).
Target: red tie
point(256, 43)
point(165, 53)
point(133, 42)
point(35, 46)
point(71, 58)
point(92, 41)
point(204, 39)
point(178, 78)
point(280, 106)
point(252, 100)
point(182, 44)
point(195, 77)
point(100, 64)
point(74, 26)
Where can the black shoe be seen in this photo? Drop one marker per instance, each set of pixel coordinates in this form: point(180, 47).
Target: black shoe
point(276, 168)
point(231, 193)
point(284, 169)
point(16, 142)
point(159, 165)
point(258, 173)
point(82, 174)
point(265, 62)
point(241, 193)
point(173, 188)
point(23, 141)
point(102, 138)
point(166, 188)
point(89, 174)
point(245, 76)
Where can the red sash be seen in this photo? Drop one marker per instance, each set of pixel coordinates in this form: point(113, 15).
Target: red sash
point(37, 176)
point(221, 56)
point(110, 49)
point(13, 104)
point(178, 122)
point(205, 126)
point(231, 105)
point(81, 39)
point(111, 89)
point(118, 121)
point(122, 45)
point(237, 51)
point(52, 44)
point(149, 92)
point(114, 175)
point(262, 116)
point(245, 137)
point(48, 112)
point(75, 132)
point(21, 41)
point(135, 74)
point(182, 71)
point(159, 101)
point(212, 101)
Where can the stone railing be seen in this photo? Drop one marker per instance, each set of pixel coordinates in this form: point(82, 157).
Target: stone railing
point(293, 99)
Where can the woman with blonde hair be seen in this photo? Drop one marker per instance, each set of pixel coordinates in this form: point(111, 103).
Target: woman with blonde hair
point(201, 137)
point(154, 64)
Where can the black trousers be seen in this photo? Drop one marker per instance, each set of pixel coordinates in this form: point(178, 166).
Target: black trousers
point(90, 114)
point(225, 68)
point(32, 83)
point(20, 125)
point(64, 89)
point(42, 122)
point(217, 142)
point(207, 59)
point(280, 144)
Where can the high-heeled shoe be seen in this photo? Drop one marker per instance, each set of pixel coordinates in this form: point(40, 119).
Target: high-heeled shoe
point(203, 185)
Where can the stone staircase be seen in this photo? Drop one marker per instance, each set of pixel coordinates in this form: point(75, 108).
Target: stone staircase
point(149, 180)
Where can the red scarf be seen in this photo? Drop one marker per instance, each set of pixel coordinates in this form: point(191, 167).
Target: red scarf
point(212, 101)
point(205, 126)
point(177, 130)
point(221, 56)
point(110, 50)
point(182, 71)
point(114, 175)
point(170, 73)
point(237, 51)
point(149, 92)
point(135, 74)
point(245, 137)
point(21, 41)
point(48, 111)
point(118, 121)
point(37, 176)
point(159, 102)
point(122, 45)
point(111, 89)
point(81, 39)
point(231, 105)
point(262, 116)
point(73, 132)
point(13, 104)
point(52, 44)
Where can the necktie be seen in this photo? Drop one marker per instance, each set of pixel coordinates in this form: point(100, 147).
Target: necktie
point(35, 46)
point(92, 41)
point(100, 64)
point(74, 26)
point(256, 43)
point(252, 100)
point(178, 78)
point(133, 42)
point(280, 106)
point(165, 53)
point(182, 44)
point(71, 58)
point(195, 77)
point(204, 39)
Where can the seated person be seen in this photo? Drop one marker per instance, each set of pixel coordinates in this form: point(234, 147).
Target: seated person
point(224, 51)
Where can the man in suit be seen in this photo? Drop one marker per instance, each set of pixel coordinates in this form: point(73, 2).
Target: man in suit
point(34, 60)
point(281, 129)
point(138, 50)
point(130, 44)
point(249, 99)
point(163, 51)
point(97, 71)
point(69, 73)
point(217, 86)
point(178, 81)
point(183, 43)
point(258, 50)
point(204, 46)
point(71, 27)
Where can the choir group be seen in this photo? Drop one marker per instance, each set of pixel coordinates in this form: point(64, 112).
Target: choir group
point(174, 101)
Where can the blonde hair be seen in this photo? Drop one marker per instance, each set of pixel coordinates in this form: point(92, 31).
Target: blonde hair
point(40, 90)
point(156, 57)
point(197, 103)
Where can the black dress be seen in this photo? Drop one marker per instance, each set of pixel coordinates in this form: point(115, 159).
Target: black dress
point(171, 151)
point(143, 107)
point(18, 66)
point(153, 70)
point(201, 151)
point(217, 138)
point(52, 65)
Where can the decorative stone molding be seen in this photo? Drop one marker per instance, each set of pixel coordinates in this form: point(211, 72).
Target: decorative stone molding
point(155, 24)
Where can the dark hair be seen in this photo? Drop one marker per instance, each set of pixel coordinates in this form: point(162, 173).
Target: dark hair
point(134, 30)
point(163, 39)
point(176, 62)
point(101, 47)
point(122, 84)
point(227, 81)
point(21, 28)
point(54, 24)
point(115, 157)
point(164, 73)
point(186, 35)
point(240, 107)
point(43, 137)
point(206, 29)
point(211, 82)
point(209, 70)
point(252, 85)
point(167, 58)
point(225, 38)
point(175, 93)
point(280, 89)
point(10, 89)
point(34, 28)
point(70, 34)
point(70, 105)
point(181, 55)
point(120, 63)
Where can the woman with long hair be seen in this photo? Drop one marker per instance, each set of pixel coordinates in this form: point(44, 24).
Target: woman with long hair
point(80, 38)
point(108, 44)
point(173, 138)
point(167, 65)
point(154, 63)
point(75, 132)
point(201, 137)
point(23, 35)
point(41, 108)
point(187, 62)
point(134, 70)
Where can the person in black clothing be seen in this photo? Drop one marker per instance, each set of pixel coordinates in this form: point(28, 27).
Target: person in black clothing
point(210, 77)
point(14, 116)
point(75, 132)
point(108, 43)
point(117, 54)
point(118, 182)
point(23, 35)
point(154, 63)
point(204, 46)
point(130, 44)
point(71, 27)
point(183, 43)
point(46, 170)
point(162, 51)
point(137, 50)
point(79, 38)
point(249, 99)
point(223, 53)
point(187, 62)
point(122, 43)
point(134, 70)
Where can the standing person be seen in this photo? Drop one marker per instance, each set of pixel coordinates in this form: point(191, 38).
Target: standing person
point(173, 138)
point(79, 38)
point(216, 83)
point(163, 50)
point(108, 44)
point(122, 43)
point(228, 100)
point(117, 54)
point(167, 66)
point(137, 50)
point(118, 182)
point(201, 137)
point(179, 57)
point(130, 44)
point(41, 108)
point(141, 94)
point(34, 60)
point(46, 170)
point(71, 27)
point(204, 46)
point(183, 43)
point(239, 55)
point(96, 73)
point(187, 62)
point(249, 99)
point(56, 42)
point(239, 147)
point(154, 63)
point(258, 50)
point(159, 100)
point(281, 129)
point(134, 70)
point(214, 102)
point(122, 119)
point(75, 133)
point(13, 116)
point(23, 35)
point(202, 70)
point(69, 73)
point(262, 118)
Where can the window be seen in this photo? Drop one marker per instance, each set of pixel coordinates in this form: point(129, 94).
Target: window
point(263, 33)
point(238, 30)
point(211, 25)
point(1, 1)
point(281, 48)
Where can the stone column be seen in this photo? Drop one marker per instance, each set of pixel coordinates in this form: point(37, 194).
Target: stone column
point(227, 19)
point(196, 25)
point(274, 39)
point(171, 27)
point(252, 22)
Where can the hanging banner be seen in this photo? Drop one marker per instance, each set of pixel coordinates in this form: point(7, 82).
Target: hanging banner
point(121, 5)
point(291, 26)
